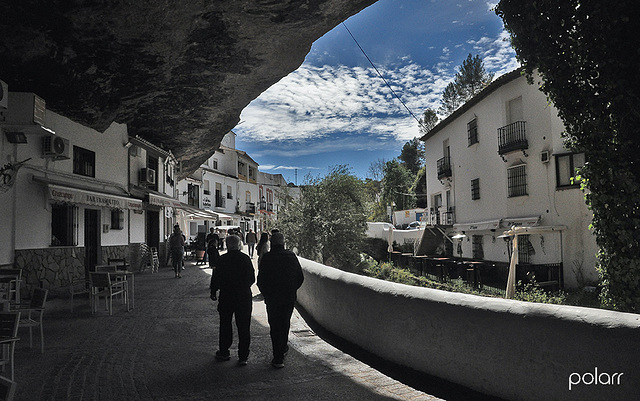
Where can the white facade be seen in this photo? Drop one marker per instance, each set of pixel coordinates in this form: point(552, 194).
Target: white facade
point(476, 192)
point(69, 206)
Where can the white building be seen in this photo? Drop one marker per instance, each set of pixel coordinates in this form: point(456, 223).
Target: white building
point(499, 161)
point(67, 207)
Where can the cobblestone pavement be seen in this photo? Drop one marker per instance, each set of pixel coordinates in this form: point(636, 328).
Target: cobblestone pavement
point(164, 350)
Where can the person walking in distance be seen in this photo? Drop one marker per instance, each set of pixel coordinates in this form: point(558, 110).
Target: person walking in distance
point(233, 277)
point(251, 240)
point(279, 277)
point(176, 247)
point(263, 246)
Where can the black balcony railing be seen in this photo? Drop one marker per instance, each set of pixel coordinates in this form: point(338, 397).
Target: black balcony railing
point(444, 167)
point(250, 207)
point(263, 205)
point(512, 137)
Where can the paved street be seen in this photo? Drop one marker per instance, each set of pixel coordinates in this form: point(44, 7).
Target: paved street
point(164, 350)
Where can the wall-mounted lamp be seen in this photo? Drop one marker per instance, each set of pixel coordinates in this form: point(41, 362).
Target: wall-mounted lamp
point(16, 137)
point(127, 145)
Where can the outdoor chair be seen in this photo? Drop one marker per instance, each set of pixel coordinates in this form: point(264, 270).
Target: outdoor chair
point(77, 285)
point(7, 389)
point(8, 336)
point(33, 313)
point(103, 287)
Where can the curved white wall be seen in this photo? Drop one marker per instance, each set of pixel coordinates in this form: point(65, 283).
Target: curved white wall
point(515, 350)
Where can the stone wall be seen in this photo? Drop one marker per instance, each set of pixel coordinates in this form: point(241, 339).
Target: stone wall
point(53, 267)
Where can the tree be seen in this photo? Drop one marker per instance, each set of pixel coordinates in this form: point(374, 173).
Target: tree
point(396, 184)
point(412, 155)
point(419, 187)
point(428, 121)
point(470, 79)
point(451, 99)
point(328, 222)
point(586, 54)
point(376, 169)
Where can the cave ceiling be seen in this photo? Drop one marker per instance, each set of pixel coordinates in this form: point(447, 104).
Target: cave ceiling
point(177, 72)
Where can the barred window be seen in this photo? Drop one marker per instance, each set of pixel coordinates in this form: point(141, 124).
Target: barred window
point(475, 189)
point(472, 131)
point(84, 162)
point(517, 180)
point(525, 249)
point(117, 219)
point(476, 247)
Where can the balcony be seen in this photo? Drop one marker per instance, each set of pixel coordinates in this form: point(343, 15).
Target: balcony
point(442, 216)
point(512, 137)
point(250, 207)
point(444, 167)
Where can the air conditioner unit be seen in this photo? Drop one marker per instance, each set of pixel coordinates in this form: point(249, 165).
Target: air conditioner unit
point(55, 147)
point(147, 176)
point(544, 156)
point(4, 95)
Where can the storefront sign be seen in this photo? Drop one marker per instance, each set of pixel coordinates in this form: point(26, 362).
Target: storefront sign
point(72, 195)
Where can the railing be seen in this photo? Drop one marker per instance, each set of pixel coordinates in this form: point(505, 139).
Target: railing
point(250, 207)
point(512, 137)
point(444, 167)
point(442, 216)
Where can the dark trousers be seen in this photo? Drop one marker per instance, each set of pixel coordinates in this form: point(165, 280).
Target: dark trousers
point(243, 324)
point(279, 317)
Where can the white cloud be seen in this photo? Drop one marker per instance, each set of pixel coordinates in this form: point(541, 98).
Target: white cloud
point(329, 108)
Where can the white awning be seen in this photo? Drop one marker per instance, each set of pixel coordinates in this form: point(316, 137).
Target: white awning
point(520, 221)
point(158, 200)
point(532, 230)
point(58, 193)
point(189, 211)
point(481, 225)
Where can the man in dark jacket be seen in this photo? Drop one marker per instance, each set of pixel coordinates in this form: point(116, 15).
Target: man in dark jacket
point(233, 276)
point(279, 277)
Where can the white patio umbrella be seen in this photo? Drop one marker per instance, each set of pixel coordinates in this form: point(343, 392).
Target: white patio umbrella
point(511, 280)
point(390, 239)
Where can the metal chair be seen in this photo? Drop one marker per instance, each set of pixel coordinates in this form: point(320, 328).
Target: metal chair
point(33, 313)
point(102, 286)
point(8, 336)
point(7, 389)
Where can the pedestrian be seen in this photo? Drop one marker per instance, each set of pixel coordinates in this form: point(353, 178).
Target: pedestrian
point(251, 239)
point(233, 276)
point(212, 236)
point(279, 277)
point(176, 247)
point(263, 246)
point(222, 235)
point(212, 251)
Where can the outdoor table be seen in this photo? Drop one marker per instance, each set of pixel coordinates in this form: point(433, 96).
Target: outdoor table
point(126, 275)
point(443, 272)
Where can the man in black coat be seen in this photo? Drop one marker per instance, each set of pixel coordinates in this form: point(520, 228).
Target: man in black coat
point(233, 276)
point(279, 277)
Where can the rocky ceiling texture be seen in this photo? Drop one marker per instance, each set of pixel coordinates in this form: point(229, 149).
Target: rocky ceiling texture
point(178, 72)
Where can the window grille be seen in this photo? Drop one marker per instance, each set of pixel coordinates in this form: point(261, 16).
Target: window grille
point(475, 189)
point(525, 249)
point(476, 247)
point(472, 131)
point(117, 219)
point(84, 162)
point(517, 180)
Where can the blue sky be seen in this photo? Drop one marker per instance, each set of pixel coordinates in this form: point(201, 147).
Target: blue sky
point(335, 109)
